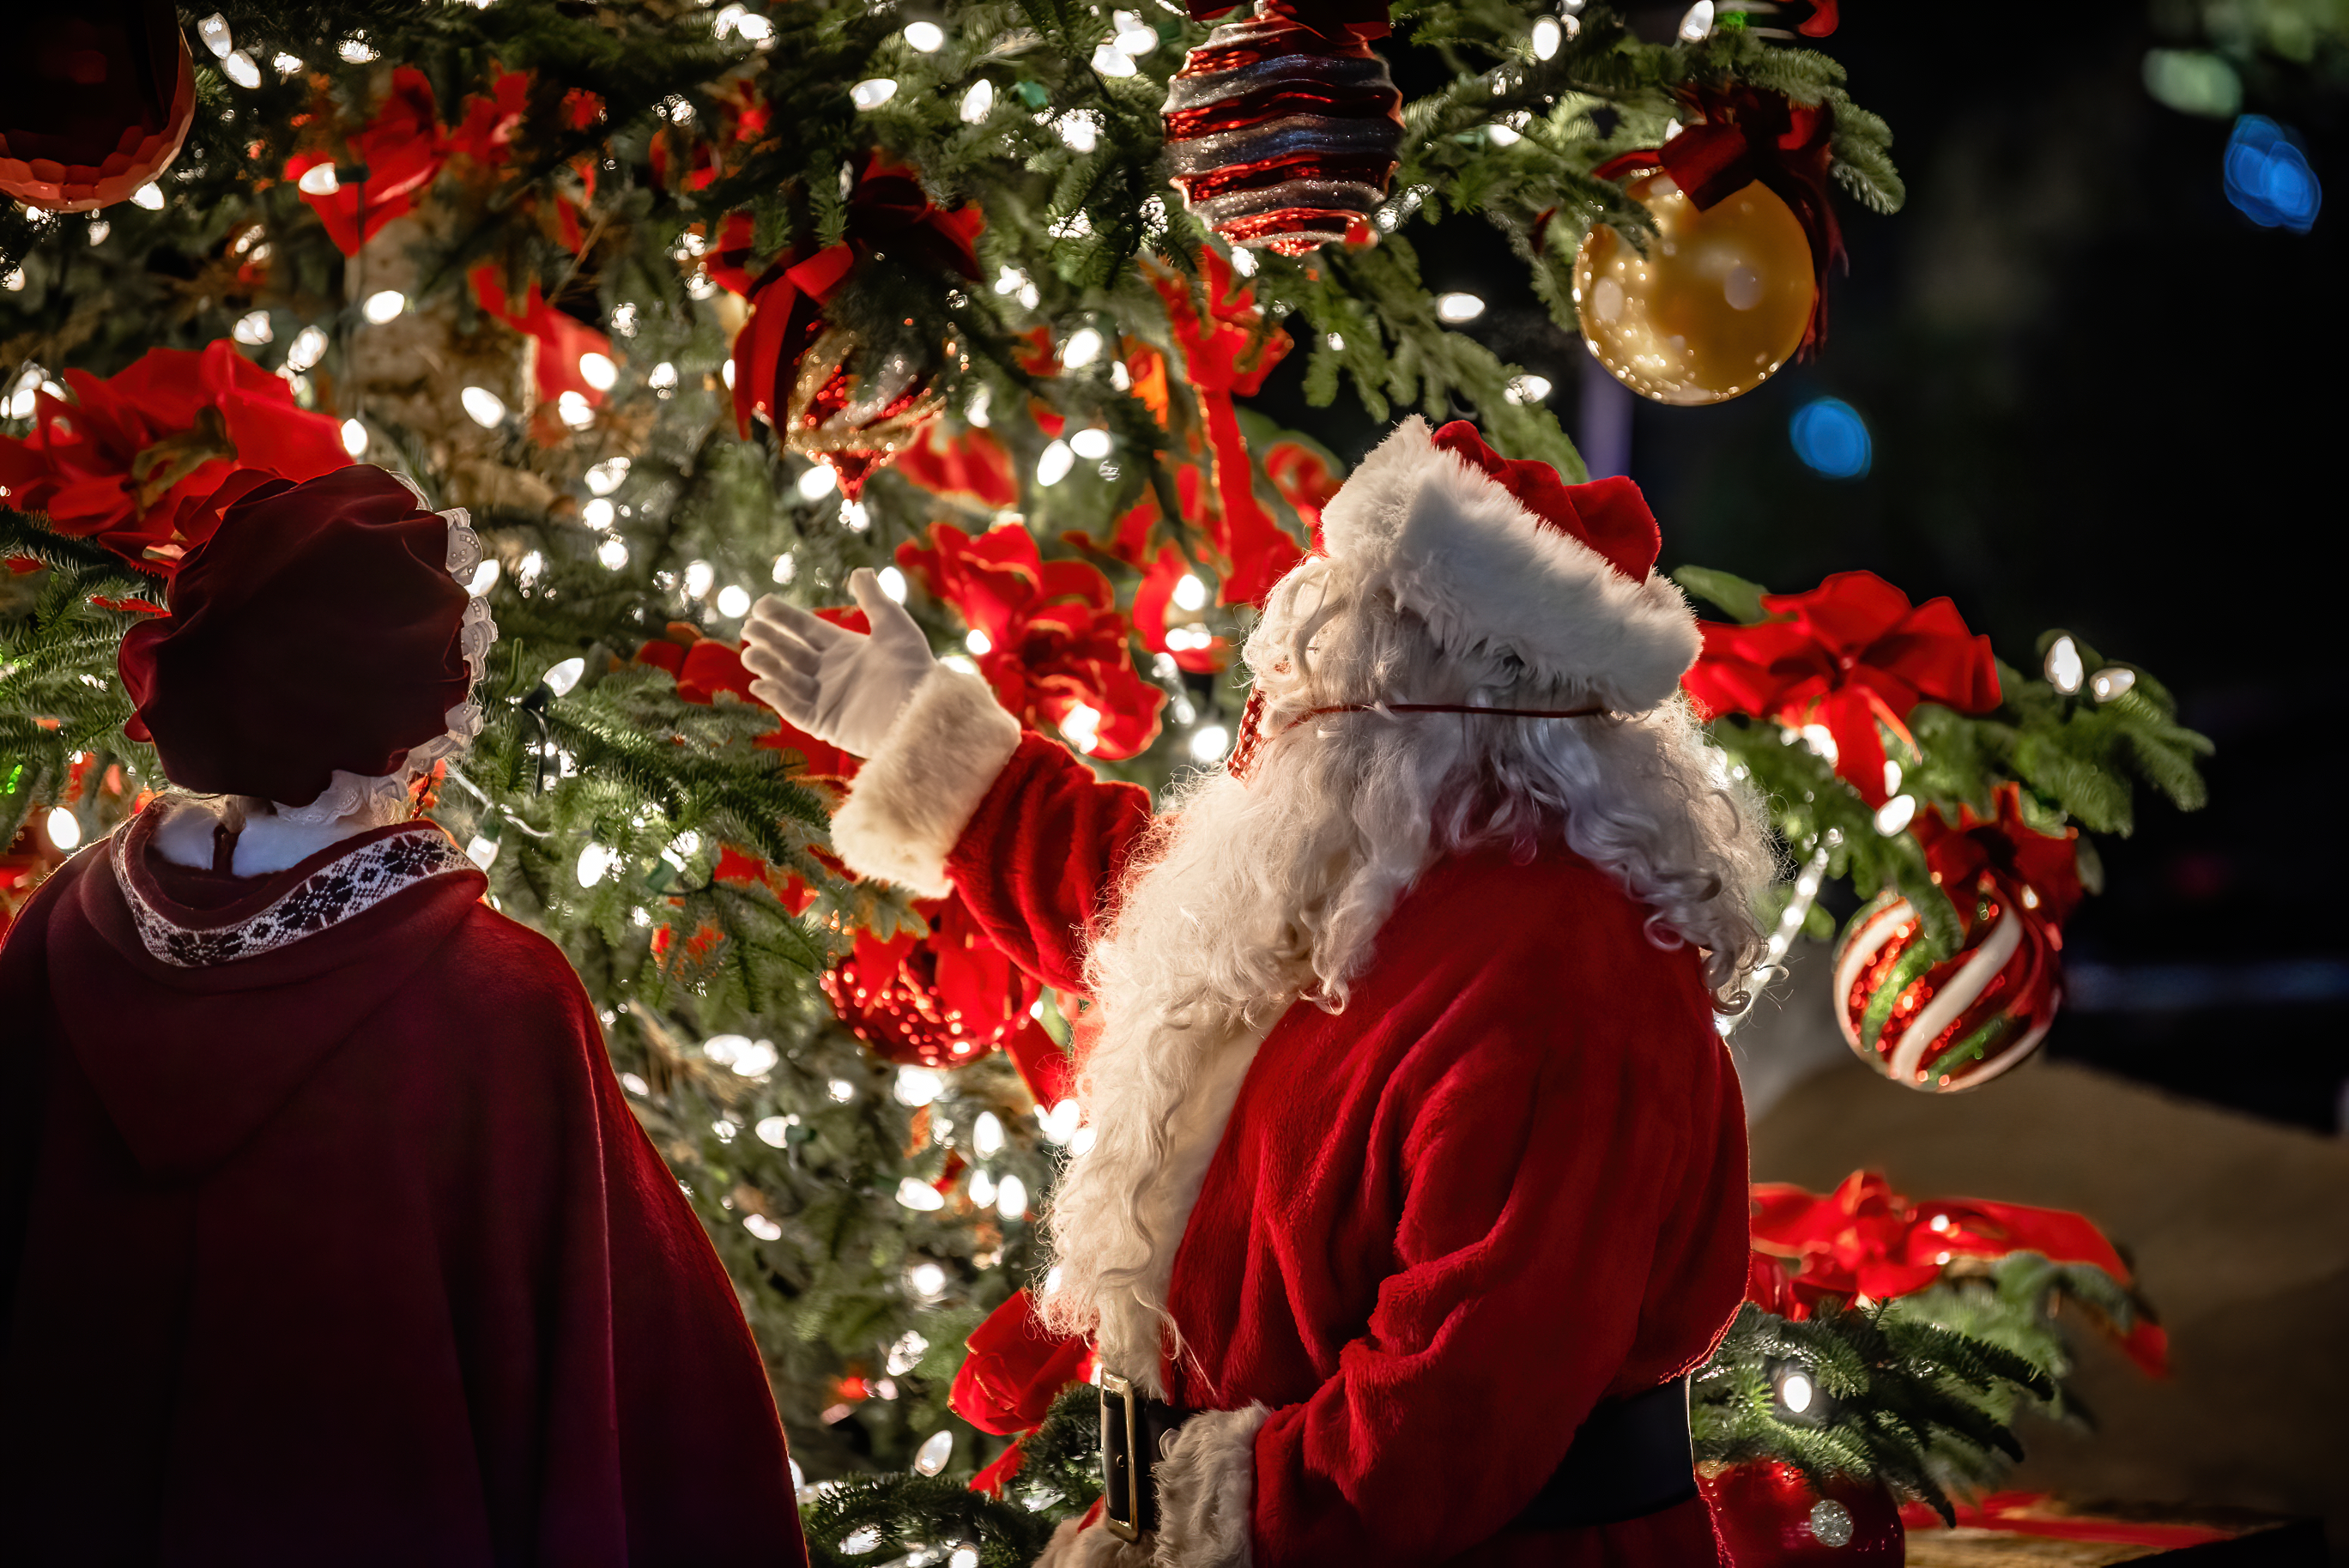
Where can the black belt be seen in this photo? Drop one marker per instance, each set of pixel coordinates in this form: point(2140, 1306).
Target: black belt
point(1631, 1459)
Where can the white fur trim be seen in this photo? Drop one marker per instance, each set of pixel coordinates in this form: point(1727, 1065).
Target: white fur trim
point(1071, 1547)
point(1206, 1490)
point(1459, 551)
point(918, 791)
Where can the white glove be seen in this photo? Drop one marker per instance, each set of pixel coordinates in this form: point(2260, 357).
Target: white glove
point(840, 686)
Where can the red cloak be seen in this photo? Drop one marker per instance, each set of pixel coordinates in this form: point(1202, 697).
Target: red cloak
point(326, 1236)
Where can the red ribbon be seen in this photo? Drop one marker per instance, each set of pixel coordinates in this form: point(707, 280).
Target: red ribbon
point(1748, 134)
point(1864, 1239)
point(1853, 655)
point(2013, 853)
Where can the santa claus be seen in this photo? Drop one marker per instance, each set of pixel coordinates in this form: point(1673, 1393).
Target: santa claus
point(1417, 1182)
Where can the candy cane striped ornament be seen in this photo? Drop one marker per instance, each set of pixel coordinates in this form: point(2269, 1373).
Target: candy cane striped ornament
point(1283, 138)
point(1957, 1024)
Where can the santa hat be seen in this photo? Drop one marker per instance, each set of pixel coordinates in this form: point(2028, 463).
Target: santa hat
point(321, 628)
point(1507, 556)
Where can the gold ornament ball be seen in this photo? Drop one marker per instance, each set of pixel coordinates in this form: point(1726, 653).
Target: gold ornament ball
point(1718, 303)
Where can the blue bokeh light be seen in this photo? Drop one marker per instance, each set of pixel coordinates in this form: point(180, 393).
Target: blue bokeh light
point(2268, 176)
point(1831, 437)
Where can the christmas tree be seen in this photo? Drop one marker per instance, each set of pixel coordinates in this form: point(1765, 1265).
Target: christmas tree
point(691, 303)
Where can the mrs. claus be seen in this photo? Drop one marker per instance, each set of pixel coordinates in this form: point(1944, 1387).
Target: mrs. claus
point(1418, 1176)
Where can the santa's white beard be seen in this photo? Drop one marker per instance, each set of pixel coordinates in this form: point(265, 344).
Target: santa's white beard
point(1248, 895)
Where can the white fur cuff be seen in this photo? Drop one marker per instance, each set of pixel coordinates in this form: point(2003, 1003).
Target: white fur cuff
point(918, 791)
point(1206, 1490)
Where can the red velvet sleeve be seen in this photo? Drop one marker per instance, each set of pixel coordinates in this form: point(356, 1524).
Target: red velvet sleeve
point(1039, 862)
point(1547, 1169)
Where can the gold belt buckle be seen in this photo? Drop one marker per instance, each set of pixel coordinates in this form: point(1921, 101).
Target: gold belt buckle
point(1122, 1469)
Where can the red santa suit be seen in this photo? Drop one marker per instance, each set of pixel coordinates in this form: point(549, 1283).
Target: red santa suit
point(1422, 1238)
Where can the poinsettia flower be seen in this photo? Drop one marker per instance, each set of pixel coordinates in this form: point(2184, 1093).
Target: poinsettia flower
point(1055, 643)
point(142, 461)
point(972, 466)
point(1850, 658)
point(1188, 646)
point(402, 150)
point(2042, 870)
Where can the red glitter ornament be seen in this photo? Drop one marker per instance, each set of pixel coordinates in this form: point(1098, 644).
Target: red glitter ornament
point(1283, 137)
point(1768, 1516)
point(95, 101)
point(944, 1000)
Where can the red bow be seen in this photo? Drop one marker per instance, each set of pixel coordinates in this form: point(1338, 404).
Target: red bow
point(401, 148)
point(2039, 873)
point(888, 214)
point(1864, 1239)
point(1747, 134)
point(1850, 654)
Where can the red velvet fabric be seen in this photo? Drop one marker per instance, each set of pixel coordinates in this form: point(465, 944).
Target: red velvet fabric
point(317, 630)
point(351, 1253)
point(1506, 1181)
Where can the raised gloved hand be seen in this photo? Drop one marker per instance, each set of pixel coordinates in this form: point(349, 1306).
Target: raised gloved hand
point(840, 686)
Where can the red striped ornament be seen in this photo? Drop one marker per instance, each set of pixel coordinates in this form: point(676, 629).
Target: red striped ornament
point(1955, 1023)
point(1283, 138)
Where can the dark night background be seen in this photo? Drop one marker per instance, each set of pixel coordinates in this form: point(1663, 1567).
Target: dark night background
point(2102, 399)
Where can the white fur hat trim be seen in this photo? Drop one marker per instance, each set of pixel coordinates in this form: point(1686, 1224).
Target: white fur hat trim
point(1458, 550)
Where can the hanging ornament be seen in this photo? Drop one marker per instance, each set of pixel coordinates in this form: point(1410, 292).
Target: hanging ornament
point(1733, 283)
point(826, 394)
point(95, 100)
point(1768, 1516)
point(942, 1000)
point(1283, 131)
point(1960, 1021)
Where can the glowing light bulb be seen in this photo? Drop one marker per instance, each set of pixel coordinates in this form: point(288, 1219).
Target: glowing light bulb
point(565, 673)
point(355, 52)
point(1527, 389)
point(1079, 129)
point(1896, 814)
point(893, 583)
point(1503, 135)
point(1548, 37)
point(1190, 593)
point(1698, 23)
point(2110, 681)
point(1133, 36)
point(986, 1134)
point(918, 1087)
point(915, 1193)
point(598, 371)
point(613, 554)
point(383, 305)
point(483, 406)
point(1112, 61)
point(252, 328)
point(982, 1190)
point(239, 69)
point(978, 102)
point(979, 642)
point(926, 37)
point(1209, 742)
point(605, 477)
point(1011, 1198)
point(840, 1090)
point(700, 578)
point(1084, 346)
point(1796, 1390)
point(1081, 725)
point(594, 861)
point(1055, 465)
point(212, 32)
point(63, 828)
point(318, 180)
point(485, 577)
point(574, 409)
point(926, 1278)
point(763, 1228)
point(481, 850)
point(1455, 308)
point(818, 482)
point(150, 196)
point(936, 1450)
point(873, 92)
point(2065, 668)
point(355, 437)
point(1092, 443)
point(775, 1132)
point(1244, 262)
point(733, 601)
